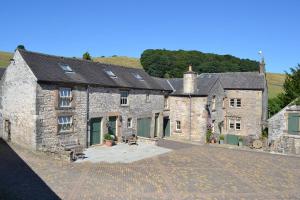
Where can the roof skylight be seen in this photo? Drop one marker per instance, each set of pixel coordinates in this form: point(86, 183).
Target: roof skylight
point(65, 67)
point(110, 73)
point(138, 77)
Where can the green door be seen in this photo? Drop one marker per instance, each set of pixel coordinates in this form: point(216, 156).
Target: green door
point(166, 127)
point(95, 132)
point(143, 127)
point(294, 123)
point(232, 139)
point(112, 125)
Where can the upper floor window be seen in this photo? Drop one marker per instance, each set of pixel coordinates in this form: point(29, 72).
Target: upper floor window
point(129, 123)
point(178, 125)
point(148, 97)
point(124, 98)
point(65, 123)
point(237, 103)
point(65, 97)
point(166, 102)
point(213, 103)
point(137, 76)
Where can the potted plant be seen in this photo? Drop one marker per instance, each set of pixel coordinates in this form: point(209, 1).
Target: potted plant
point(208, 136)
point(221, 139)
point(240, 141)
point(108, 140)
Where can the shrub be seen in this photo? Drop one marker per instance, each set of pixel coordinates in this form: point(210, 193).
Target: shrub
point(208, 135)
point(107, 136)
point(221, 137)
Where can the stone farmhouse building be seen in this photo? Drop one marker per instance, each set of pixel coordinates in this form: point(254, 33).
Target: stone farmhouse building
point(47, 99)
point(284, 130)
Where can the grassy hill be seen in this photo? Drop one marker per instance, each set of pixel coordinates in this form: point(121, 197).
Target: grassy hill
point(275, 81)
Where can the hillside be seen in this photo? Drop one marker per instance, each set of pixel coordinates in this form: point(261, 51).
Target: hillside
point(275, 81)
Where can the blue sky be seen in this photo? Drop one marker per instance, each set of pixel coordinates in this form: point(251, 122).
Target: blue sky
point(105, 28)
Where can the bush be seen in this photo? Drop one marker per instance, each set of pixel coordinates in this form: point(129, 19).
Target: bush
point(221, 137)
point(107, 136)
point(208, 135)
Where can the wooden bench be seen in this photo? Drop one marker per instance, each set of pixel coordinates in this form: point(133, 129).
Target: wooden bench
point(72, 145)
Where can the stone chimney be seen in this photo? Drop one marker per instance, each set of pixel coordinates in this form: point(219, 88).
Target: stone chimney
point(189, 81)
point(262, 65)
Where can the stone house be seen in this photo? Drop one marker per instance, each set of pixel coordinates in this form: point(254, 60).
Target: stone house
point(284, 130)
point(46, 100)
point(49, 99)
point(233, 104)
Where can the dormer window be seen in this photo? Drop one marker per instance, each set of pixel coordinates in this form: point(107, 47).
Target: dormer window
point(138, 77)
point(65, 67)
point(110, 74)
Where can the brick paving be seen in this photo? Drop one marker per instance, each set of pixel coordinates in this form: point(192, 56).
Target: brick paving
point(189, 172)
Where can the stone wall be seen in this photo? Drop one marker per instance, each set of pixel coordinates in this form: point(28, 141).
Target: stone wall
point(105, 102)
point(19, 103)
point(48, 137)
point(250, 112)
point(180, 110)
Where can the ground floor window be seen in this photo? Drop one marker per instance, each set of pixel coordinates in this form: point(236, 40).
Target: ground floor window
point(129, 123)
point(65, 123)
point(178, 125)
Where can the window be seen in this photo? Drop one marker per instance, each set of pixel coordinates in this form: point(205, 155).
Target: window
point(238, 103)
point(235, 103)
point(65, 97)
point(178, 125)
point(110, 73)
point(213, 103)
point(129, 123)
point(231, 102)
point(137, 76)
point(237, 124)
point(64, 123)
point(124, 98)
point(231, 124)
point(148, 97)
point(166, 102)
point(65, 67)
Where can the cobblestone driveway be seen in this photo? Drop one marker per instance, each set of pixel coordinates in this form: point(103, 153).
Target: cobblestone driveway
point(196, 172)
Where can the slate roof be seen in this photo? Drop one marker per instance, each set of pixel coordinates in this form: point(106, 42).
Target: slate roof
point(2, 70)
point(230, 80)
point(47, 68)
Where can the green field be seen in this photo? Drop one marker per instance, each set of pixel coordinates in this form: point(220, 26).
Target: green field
point(275, 81)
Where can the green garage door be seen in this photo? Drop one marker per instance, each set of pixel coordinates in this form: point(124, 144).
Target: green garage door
point(143, 127)
point(294, 123)
point(232, 139)
point(95, 132)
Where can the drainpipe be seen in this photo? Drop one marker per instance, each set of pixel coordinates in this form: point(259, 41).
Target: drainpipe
point(190, 136)
point(87, 114)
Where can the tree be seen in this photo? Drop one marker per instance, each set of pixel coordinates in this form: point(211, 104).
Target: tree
point(21, 46)
point(162, 62)
point(86, 56)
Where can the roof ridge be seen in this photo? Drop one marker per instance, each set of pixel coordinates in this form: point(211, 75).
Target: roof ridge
point(77, 59)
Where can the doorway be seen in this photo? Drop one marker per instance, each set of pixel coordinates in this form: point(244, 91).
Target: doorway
point(95, 132)
point(166, 127)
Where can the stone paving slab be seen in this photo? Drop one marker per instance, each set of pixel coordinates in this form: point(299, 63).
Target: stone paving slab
point(198, 172)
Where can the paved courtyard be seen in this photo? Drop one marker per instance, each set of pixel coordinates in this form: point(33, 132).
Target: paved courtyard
point(187, 172)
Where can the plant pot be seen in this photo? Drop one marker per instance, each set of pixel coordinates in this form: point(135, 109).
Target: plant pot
point(240, 143)
point(108, 143)
point(221, 141)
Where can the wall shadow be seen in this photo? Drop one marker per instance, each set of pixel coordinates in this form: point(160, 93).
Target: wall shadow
point(18, 180)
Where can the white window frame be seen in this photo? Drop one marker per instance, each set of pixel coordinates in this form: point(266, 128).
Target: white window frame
point(235, 103)
point(178, 125)
point(238, 121)
point(65, 97)
point(240, 104)
point(129, 122)
point(230, 100)
point(231, 122)
point(124, 101)
point(148, 100)
point(234, 122)
point(65, 124)
point(213, 103)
